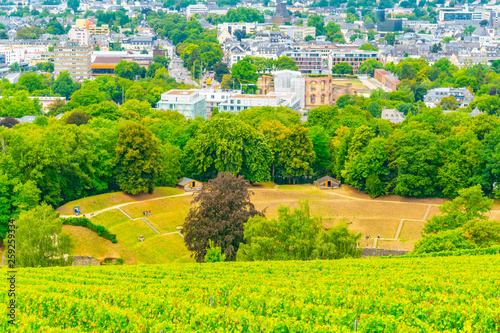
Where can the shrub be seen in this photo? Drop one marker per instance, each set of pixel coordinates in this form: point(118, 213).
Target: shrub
point(86, 223)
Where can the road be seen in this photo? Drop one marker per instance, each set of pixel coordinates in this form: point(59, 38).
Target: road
point(178, 72)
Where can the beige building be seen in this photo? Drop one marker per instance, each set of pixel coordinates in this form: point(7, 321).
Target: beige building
point(102, 30)
point(75, 59)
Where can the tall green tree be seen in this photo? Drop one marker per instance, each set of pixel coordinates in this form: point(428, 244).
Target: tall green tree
point(227, 144)
point(64, 85)
point(297, 155)
point(138, 159)
point(40, 240)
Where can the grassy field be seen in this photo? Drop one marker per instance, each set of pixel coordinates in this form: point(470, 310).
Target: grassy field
point(355, 83)
point(98, 202)
point(367, 216)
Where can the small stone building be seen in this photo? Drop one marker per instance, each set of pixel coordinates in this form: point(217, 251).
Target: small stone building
point(327, 183)
point(188, 184)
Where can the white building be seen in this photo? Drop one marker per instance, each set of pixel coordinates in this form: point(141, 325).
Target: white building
point(214, 97)
point(226, 30)
point(190, 103)
point(287, 81)
point(237, 103)
point(193, 9)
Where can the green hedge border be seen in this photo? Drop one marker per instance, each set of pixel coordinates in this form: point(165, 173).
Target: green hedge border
point(86, 223)
point(470, 252)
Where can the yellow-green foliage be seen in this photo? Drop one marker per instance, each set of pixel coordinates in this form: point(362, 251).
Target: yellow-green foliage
point(451, 294)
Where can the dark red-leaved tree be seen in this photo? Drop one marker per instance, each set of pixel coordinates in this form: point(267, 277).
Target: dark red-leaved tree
point(220, 212)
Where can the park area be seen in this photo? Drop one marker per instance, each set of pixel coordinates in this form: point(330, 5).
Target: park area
point(391, 222)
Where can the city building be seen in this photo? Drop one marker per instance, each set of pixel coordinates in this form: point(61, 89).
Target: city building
point(137, 43)
point(73, 58)
point(393, 115)
point(81, 35)
point(353, 57)
point(281, 15)
point(445, 15)
point(102, 30)
point(214, 97)
point(463, 96)
point(386, 78)
point(287, 81)
point(308, 62)
point(298, 32)
point(189, 103)
point(226, 30)
point(193, 9)
point(384, 25)
point(237, 103)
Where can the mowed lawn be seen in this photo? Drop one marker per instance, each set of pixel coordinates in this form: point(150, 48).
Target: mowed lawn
point(367, 216)
point(101, 201)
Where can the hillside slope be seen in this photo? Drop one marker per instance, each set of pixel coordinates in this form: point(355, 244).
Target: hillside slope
point(452, 294)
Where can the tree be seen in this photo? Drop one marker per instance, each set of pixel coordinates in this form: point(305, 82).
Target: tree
point(74, 4)
point(337, 243)
point(225, 143)
point(153, 68)
point(64, 85)
point(448, 103)
point(214, 253)
point(245, 71)
point(296, 236)
point(389, 38)
point(239, 34)
point(297, 155)
point(220, 70)
point(40, 240)
point(32, 81)
point(138, 159)
point(9, 122)
point(436, 48)
point(171, 165)
point(483, 23)
point(219, 214)
point(369, 66)
point(471, 204)
point(14, 67)
point(227, 82)
point(77, 118)
point(86, 96)
point(129, 70)
point(309, 38)
point(368, 47)
point(286, 63)
point(342, 68)
point(160, 59)
point(318, 22)
point(45, 66)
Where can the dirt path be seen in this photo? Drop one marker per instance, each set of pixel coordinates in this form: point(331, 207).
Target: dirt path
point(92, 214)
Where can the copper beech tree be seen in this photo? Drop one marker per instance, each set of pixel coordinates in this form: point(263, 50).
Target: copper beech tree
point(219, 214)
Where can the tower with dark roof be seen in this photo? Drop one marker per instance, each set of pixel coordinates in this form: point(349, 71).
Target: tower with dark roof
point(281, 15)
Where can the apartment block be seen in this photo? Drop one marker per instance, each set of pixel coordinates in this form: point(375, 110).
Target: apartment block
point(298, 32)
point(308, 62)
point(81, 35)
point(189, 103)
point(237, 103)
point(102, 30)
point(353, 57)
point(73, 58)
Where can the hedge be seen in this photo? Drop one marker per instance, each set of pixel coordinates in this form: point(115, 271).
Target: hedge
point(86, 223)
point(469, 252)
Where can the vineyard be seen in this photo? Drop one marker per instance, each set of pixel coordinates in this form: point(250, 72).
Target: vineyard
point(450, 294)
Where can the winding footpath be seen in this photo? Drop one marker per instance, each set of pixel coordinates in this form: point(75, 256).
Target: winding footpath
point(118, 207)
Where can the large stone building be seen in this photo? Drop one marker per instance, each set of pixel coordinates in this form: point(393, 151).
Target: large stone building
point(387, 79)
point(322, 90)
point(74, 59)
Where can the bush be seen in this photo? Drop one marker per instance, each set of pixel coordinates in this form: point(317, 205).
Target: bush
point(86, 223)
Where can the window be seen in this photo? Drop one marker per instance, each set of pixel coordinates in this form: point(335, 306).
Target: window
point(313, 99)
point(322, 99)
point(322, 85)
point(313, 86)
